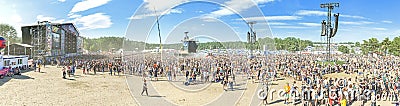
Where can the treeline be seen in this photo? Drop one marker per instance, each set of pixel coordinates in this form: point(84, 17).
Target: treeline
point(385, 47)
point(371, 45)
point(107, 43)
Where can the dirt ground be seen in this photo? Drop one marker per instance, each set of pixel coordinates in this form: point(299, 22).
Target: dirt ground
point(49, 88)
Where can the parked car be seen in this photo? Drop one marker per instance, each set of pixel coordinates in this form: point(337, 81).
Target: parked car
point(5, 72)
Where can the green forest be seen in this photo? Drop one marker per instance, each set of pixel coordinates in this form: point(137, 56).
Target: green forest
point(372, 45)
point(107, 43)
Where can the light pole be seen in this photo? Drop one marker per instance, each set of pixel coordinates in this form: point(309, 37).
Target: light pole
point(251, 37)
point(327, 29)
point(8, 43)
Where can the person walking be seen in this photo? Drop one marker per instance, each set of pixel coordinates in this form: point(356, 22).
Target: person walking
point(110, 68)
point(34, 66)
point(73, 70)
point(144, 88)
point(287, 93)
point(64, 73)
point(69, 71)
point(95, 66)
point(40, 66)
point(83, 69)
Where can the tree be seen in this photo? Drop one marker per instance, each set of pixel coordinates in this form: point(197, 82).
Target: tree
point(385, 45)
point(370, 45)
point(344, 49)
point(9, 33)
point(358, 44)
point(394, 46)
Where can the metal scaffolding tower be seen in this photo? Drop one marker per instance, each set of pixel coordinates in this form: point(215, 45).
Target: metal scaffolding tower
point(327, 29)
point(251, 37)
point(39, 37)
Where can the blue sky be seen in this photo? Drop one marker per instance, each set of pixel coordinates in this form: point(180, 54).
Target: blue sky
point(208, 20)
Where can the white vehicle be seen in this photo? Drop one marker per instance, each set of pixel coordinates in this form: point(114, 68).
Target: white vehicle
point(13, 62)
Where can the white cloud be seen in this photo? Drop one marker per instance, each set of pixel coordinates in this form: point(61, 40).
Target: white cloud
point(380, 29)
point(177, 11)
point(161, 5)
point(289, 27)
point(277, 23)
point(153, 14)
point(310, 24)
point(237, 6)
point(9, 15)
point(310, 13)
point(271, 18)
point(16, 18)
point(355, 23)
point(88, 4)
point(209, 19)
point(50, 19)
point(324, 13)
point(72, 15)
point(200, 11)
point(352, 16)
point(388, 22)
point(93, 21)
point(61, 0)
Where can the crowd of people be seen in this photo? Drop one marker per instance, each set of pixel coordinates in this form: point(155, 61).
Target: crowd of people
point(375, 77)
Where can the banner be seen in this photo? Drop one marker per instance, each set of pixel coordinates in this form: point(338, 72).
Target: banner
point(55, 29)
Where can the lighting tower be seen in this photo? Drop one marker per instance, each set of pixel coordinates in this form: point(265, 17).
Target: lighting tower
point(327, 29)
point(251, 37)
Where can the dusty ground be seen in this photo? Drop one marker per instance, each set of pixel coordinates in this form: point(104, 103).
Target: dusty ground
point(182, 97)
point(48, 88)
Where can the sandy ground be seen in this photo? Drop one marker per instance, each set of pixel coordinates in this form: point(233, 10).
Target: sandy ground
point(185, 98)
point(48, 88)
point(246, 98)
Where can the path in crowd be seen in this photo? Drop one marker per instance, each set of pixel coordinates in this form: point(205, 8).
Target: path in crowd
point(230, 98)
point(170, 93)
point(248, 94)
point(135, 85)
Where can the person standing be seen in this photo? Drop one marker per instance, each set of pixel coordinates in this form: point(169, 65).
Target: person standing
point(83, 69)
point(187, 74)
point(102, 67)
point(156, 69)
point(64, 73)
point(73, 70)
point(40, 66)
point(95, 67)
point(110, 68)
point(174, 72)
point(144, 88)
point(69, 71)
point(287, 93)
point(34, 66)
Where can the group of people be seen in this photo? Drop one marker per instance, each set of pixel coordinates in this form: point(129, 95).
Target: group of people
point(90, 64)
point(190, 69)
point(375, 77)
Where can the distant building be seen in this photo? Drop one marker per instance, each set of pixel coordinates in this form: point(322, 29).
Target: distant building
point(19, 49)
point(53, 40)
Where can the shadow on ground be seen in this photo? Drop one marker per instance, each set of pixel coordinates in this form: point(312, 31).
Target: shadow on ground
point(19, 77)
